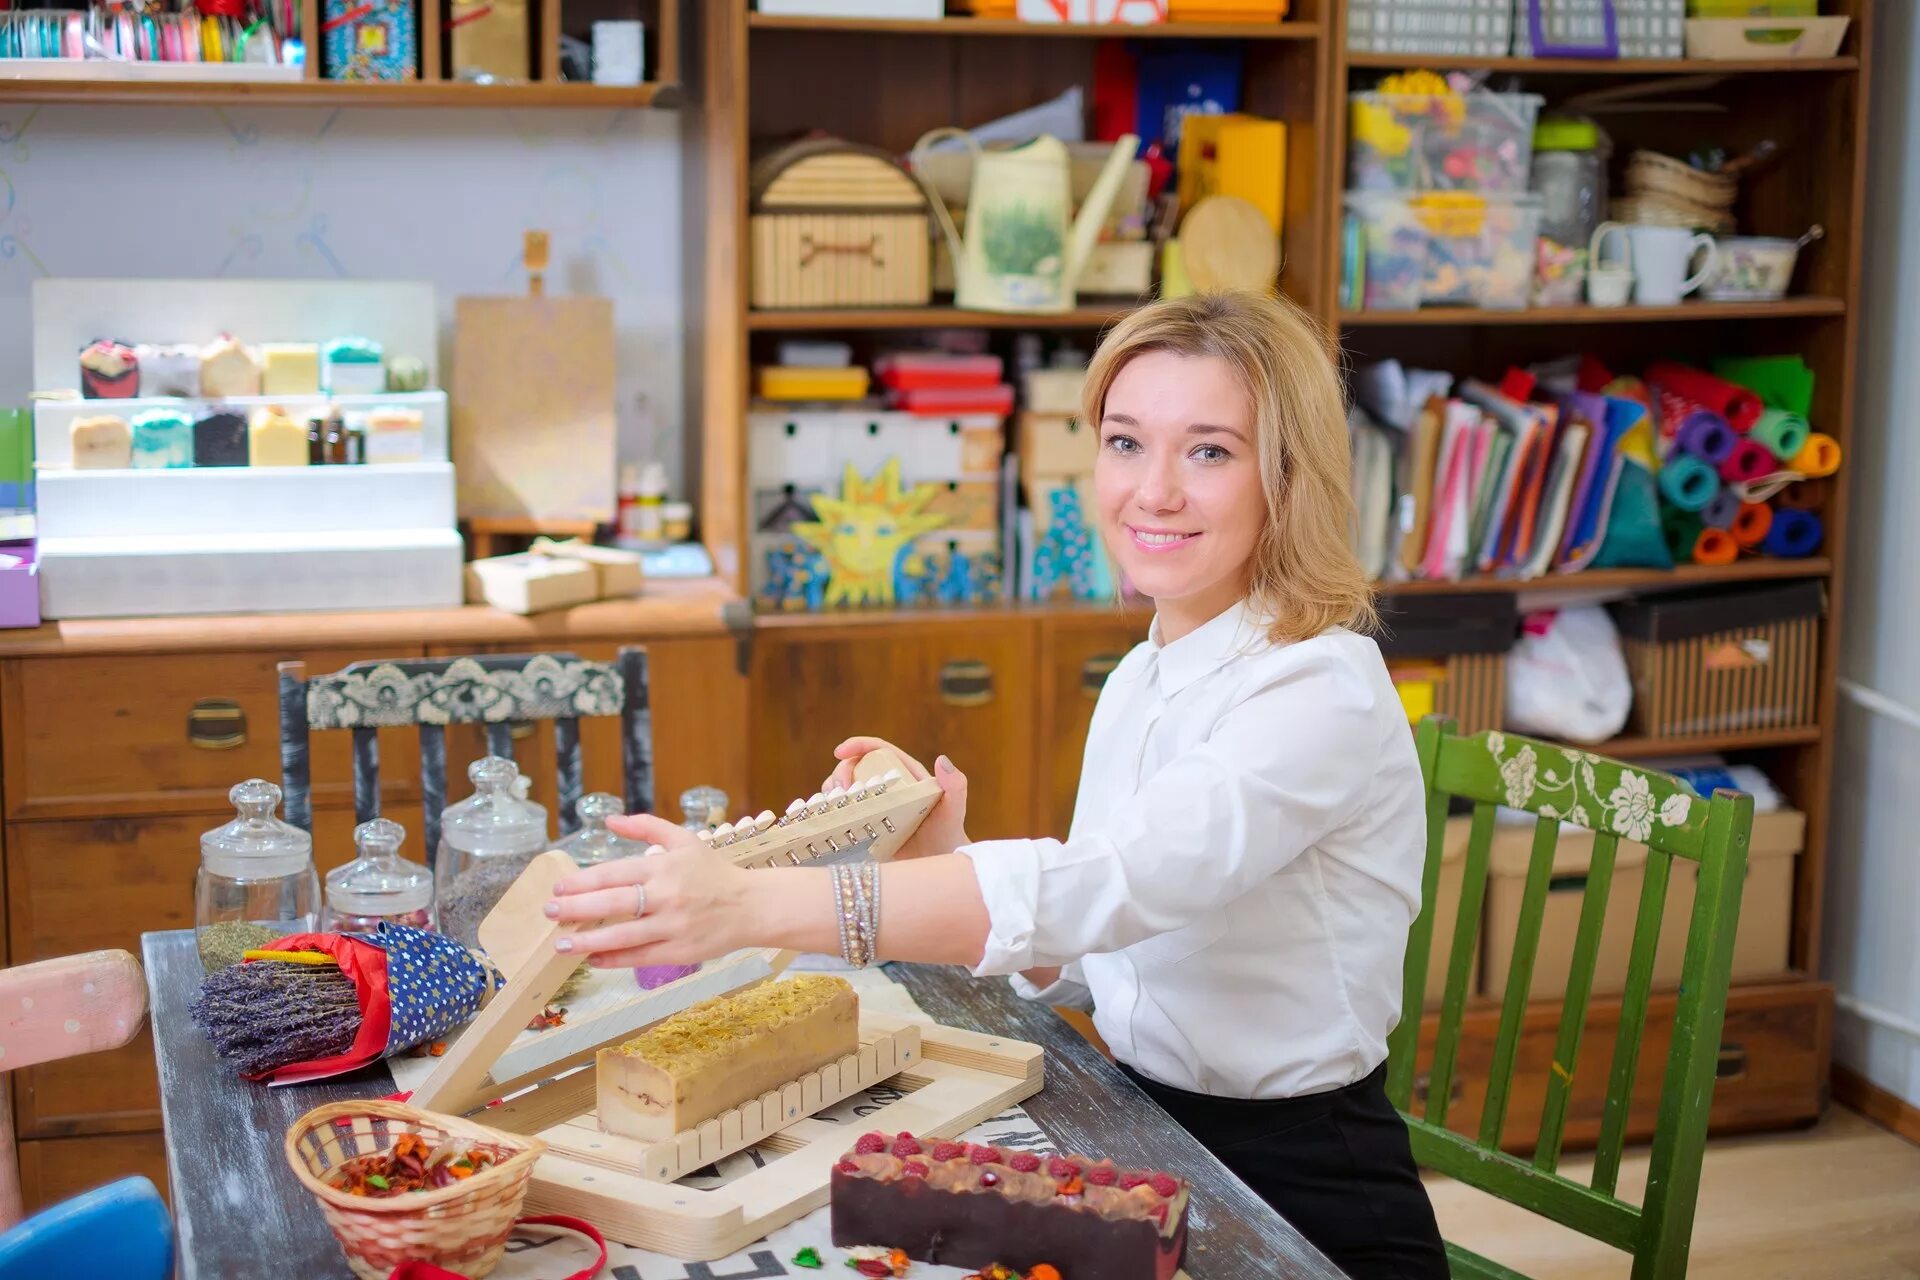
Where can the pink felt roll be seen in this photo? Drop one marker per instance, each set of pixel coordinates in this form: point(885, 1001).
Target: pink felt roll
point(1739, 406)
point(1749, 461)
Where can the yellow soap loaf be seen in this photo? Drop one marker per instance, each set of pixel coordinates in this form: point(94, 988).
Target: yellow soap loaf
point(688, 1069)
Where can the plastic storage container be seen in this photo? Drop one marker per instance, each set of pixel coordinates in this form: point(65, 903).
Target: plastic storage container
point(1570, 177)
point(1465, 250)
point(379, 886)
point(1476, 141)
point(255, 870)
point(933, 370)
point(593, 844)
point(486, 841)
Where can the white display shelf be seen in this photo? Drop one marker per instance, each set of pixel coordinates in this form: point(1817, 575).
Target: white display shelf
point(241, 502)
point(53, 419)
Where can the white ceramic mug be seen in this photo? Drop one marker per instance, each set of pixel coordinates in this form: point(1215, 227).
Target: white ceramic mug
point(1659, 257)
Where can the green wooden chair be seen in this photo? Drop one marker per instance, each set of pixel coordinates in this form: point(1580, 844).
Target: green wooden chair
point(1615, 801)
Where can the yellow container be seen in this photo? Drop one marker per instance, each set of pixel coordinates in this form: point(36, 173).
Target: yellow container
point(782, 382)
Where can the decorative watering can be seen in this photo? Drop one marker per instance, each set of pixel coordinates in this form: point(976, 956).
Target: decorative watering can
point(1024, 249)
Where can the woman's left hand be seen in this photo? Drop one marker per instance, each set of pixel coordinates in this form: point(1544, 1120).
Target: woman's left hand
point(680, 905)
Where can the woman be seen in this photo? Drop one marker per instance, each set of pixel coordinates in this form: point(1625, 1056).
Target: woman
point(1234, 898)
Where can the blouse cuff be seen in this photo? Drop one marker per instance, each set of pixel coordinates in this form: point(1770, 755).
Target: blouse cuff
point(1063, 991)
point(1009, 876)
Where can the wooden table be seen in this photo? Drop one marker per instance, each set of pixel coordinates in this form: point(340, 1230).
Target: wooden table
point(239, 1212)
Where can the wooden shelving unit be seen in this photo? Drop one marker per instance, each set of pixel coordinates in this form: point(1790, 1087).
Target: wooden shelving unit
point(1605, 66)
point(1084, 317)
point(1452, 317)
point(1062, 30)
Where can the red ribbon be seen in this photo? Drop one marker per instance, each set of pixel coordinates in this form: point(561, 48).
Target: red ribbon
point(366, 965)
point(427, 1271)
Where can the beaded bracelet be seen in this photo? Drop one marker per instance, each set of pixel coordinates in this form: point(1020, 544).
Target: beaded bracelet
point(856, 897)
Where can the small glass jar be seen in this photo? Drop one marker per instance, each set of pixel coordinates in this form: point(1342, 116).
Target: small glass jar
point(702, 807)
point(1570, 175)
point(593, 843)
point(378, 887)
point(486, 841)
point(256, 877)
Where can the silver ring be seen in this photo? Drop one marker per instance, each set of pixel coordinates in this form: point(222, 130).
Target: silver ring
point(640, 901)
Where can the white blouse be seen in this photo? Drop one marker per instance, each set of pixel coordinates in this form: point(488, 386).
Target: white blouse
point(1244, 864)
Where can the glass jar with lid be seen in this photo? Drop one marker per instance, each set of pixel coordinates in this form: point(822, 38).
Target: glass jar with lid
point(256, 881)
point(486, 841)
point(593, 843)
point(379, 886)
point(702, 807)
point(1570, 176)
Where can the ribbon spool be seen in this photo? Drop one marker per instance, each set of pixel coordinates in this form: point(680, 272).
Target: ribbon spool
point(1750, 524)
point(1716, 547)
point(1749, 461)
point(1688, 483)
point(1706, 436)
point(1784, 434)
point(1720, 510)
point(1794, 535)
point(1818, 457)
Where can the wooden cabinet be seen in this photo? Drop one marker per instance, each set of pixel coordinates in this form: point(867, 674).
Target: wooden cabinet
point(961, 688)
point(56, 1169)
point(1077, 653)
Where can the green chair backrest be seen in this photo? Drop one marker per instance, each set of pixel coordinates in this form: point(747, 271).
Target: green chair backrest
point(1616, 801)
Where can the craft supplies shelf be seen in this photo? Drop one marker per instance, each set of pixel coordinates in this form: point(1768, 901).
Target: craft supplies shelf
point(1087, 317)
point(1785, 308)
point(1693, 744)
point(1014, 27)
point(340, 93)
point(1598, 66)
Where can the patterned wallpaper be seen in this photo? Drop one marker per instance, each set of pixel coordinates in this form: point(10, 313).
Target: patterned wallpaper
point(414, 194)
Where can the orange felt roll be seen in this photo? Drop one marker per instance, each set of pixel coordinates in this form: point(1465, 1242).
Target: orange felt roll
point(1819, 456)
point(1715, 546)
point(1750, 524)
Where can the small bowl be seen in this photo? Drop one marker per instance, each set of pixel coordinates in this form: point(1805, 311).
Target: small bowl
point(1753, 268)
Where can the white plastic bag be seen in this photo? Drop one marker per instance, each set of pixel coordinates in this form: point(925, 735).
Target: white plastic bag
point(1566, 678)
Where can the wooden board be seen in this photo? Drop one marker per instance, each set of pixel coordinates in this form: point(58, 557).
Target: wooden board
point(533, 408)
point(963, 1077)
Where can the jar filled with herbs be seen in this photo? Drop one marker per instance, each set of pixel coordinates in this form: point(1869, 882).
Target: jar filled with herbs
point(256, 881)
point(378, 887)
point(486, 841)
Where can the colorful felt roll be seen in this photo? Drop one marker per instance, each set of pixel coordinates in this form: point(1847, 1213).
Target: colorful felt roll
point(1687, 483)
point(1794, 535)
point(1681, 529)
point(1706, 435)
point(1750, 524)
point(1819, 456)
point(1784, 434)
point(1720, 510)
point(1749, 461)
point(1801, 495)
point(1715, 546)
point(1739, 406)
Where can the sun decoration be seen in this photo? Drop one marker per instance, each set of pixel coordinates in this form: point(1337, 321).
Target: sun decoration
point(860, 533)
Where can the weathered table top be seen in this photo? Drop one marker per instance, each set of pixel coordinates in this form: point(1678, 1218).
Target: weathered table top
point(239, 1212)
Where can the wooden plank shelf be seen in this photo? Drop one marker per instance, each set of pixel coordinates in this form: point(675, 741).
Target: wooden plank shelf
point(1688, 575)
point(1014, 27)
point(1599, 66)
point(1088, 317)
point(1784, 308)
point(1634, 747)
point(339, 93)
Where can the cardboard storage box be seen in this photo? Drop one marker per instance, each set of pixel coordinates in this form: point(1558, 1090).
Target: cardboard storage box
point(1724, 661)
point(1448, 655)
point(1760, 945)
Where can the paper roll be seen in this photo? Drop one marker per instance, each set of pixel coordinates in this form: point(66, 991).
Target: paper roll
point(1794, 535)
point(1720, 510)
point(1715, 546)
point(1739, 406)
point(1819, 456)
point(1749, 461)
point(1751, 523)
point(1687, 483)
point(1706, 435)
point(1784, 434)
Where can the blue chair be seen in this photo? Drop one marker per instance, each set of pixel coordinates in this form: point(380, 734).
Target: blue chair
point(120, 1230)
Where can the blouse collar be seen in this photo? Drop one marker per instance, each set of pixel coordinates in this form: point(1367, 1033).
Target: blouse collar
point(1206, 648)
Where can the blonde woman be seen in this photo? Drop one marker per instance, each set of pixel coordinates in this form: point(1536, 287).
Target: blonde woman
point(1234, 898)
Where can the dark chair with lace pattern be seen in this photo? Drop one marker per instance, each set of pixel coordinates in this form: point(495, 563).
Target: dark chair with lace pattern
point(495, 691)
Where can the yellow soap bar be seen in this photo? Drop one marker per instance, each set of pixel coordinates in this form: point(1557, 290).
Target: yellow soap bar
point(276, 440)
point(290, 369)
point(101, 443)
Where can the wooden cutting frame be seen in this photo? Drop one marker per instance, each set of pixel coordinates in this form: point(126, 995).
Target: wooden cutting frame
point(496, 1055)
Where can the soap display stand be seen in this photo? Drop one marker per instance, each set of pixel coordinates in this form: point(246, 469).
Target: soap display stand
point(544, 1082)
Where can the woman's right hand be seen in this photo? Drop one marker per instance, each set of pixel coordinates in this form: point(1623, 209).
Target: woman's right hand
point(944, 829)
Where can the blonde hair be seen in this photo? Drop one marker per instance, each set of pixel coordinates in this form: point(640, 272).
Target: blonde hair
point(1304, 574)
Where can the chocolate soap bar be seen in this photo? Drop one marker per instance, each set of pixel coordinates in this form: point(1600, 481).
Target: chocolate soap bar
point(970, 1206)
point(220, 440)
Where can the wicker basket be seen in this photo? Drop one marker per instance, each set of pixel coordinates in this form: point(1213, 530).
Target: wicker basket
point(1664, 212)
point(463, 1227)
point(1651, 174)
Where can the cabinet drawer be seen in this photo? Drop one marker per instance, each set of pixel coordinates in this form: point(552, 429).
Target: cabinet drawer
point(56, 1169)
point(1773, 1055)
point(963, 688)
point(154, 735)
point(1076, 656)
point(82, 886)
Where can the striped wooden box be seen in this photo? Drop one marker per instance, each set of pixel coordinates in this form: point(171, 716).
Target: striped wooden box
point(1471, 688)
point(836, 225)
point(1755, 668)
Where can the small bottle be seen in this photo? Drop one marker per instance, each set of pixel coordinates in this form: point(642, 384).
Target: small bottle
point(702, 807)
point(648, 516)
point(336, 438)
point(626, 519)
point(378, 887)
point(593, 843)
point(256, 880)
point(316, 440)
point(356, 444)
point(676, 521)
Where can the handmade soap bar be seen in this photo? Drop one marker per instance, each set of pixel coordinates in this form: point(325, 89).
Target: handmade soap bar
point(970, 1206)
point(169, 371)
point(528, 583)
point(406, 373)
point(394, 435)
point(109, 371)
point(162, 438)
point(220, 440)
point(351, 367)
point(289, 369)
point(101, 443)
point(276, 440)
point(721, 1053)
point(228, 369)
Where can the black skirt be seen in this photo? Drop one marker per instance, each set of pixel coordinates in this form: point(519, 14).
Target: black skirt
point(1336, 1165)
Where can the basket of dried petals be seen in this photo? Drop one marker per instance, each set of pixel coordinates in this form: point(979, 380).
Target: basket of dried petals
point(398, 1184)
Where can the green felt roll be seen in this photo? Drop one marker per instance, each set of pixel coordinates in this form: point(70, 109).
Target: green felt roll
point(1682, 531)
point(1785, 434)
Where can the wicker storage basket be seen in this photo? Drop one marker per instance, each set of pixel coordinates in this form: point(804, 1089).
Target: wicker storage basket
point(463, 1227)
point(836, 225)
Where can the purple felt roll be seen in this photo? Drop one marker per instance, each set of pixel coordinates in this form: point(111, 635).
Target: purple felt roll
point(1793, 535)
point(1706, 435)
point(1720, 510)
point(1749, 461)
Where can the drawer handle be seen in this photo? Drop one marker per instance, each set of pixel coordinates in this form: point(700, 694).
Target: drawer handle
point(1733, 1061)
point(1455, 1091)
point(966, 683)
point(217, 724)
point(1094, 672)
